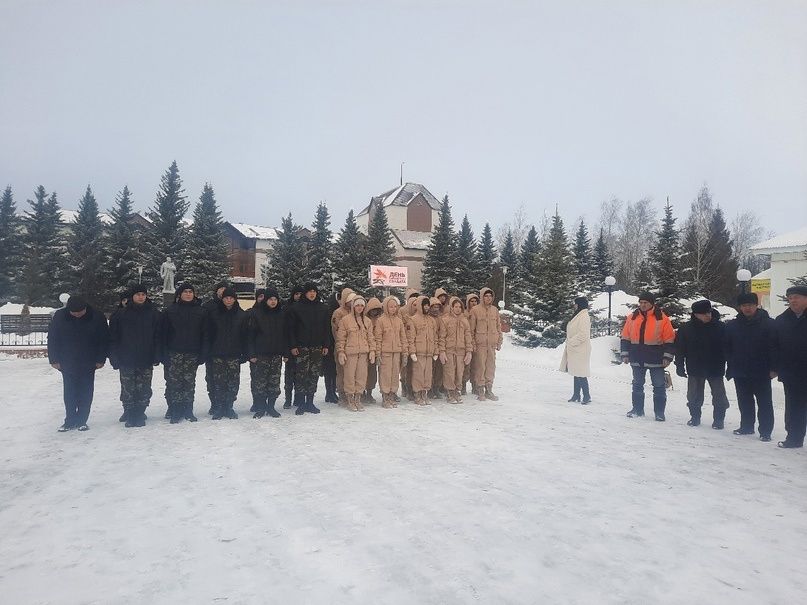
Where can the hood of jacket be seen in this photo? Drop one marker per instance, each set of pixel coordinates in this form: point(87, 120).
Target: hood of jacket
point(450, 304)
point(409, 293)
point(468, 300)
point(419, 305)
point(373, 303)
point(387, 301)
point(439, 292)
point(482, 294)
point(344, 297)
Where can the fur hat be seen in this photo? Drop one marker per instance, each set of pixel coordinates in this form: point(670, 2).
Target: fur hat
point(748, 298)
point(796, 290)
point(702, 306)
point(648, 296)
point(76, 303)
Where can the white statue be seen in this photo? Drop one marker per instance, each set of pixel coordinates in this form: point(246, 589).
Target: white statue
point(167, 271)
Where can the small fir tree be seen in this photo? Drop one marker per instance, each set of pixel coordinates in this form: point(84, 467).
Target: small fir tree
point(10, 245)
point(486, 257)
point(351, 264)
point(508, 257)
point(123, 249)
point(467, 269)
point(602, 263)
point(320, 261)
point(584, 269)
point(45, 271)
point(286, 263)
point(380, 247)
point(207, 259)
point(721, 282)
point(440, 267)
point(665, 267)
point(86, 250)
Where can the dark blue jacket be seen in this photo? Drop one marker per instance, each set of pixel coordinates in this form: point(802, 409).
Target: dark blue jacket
point(134, 340)
point(267, 331)
point(78, 343)
point(791, 343)
point(227, 332)
point(750, 346)
point(700, 347)
point(183, 329)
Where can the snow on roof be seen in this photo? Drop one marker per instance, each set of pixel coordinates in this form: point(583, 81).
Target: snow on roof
point(766, 274)
point(69, 216)
point(402, 195)
point(794, 239)
point(413, 240)
point(255, 231)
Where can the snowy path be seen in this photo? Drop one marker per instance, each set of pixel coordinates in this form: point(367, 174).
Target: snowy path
point(531, 500)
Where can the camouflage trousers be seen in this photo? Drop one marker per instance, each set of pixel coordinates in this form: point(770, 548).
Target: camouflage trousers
point(264, 377)
point(135, 386)
point(309, 366)
point(225, 378)
point(180, 380)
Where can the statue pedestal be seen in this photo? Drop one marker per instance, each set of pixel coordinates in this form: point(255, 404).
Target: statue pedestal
point(168, 298)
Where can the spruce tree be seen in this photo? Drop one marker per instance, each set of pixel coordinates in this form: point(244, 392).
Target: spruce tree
point(550, 294)
point(286, 263)
point(800, 281)
point(523, 285)
point(602, 263)
point(380, 247)
point(123, 243)
point(665, 267)
point(440, 267)
point(320, 262)
point(167, 233)
point(721, 276)
point(585, 277)
point(508, 257)
point(486, 257)
point(351, 264)
point(467, 260)
point(86, 250)
point(643, 278)
point(45, 271)
point(11, 251)
point(207, 258)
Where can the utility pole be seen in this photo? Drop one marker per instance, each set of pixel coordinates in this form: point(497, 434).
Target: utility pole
point(402, 165)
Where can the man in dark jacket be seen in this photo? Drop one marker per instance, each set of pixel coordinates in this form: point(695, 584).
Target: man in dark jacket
point(307, 328)
point(183, 335)
point(791, 364)
point(329, 361)
point(290, 383)
point(77, 347)
point(266, 347)
point(700, 357)
point(750, 341)
point(208, 307)
point(227, 329)
point(134, 350)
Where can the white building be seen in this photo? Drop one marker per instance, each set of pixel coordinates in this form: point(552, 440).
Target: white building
point(788, 261)
point(412, 214)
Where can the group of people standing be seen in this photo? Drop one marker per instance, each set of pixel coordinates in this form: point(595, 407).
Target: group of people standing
point(430, 346)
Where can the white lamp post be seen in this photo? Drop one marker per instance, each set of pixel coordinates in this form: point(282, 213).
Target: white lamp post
point(63, 298)
point(743, 276)
point(609, 283)
point(504, 283)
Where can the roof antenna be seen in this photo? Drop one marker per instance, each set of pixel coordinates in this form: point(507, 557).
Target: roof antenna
point(402, 164)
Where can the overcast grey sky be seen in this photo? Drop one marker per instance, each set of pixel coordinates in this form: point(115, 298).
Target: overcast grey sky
point(282, 104)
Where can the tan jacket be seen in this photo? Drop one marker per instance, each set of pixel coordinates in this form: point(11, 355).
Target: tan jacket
point(355, 335)
point(437, 294)
point(486, 328)
point(457, 332)
point(422, 334)
point(372, 303)
point(439, 328)
point(345, 297)
point(468, 303)
point(390, 331)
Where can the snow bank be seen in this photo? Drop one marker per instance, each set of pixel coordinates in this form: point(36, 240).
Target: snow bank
point(16, 309)
point(624, 303)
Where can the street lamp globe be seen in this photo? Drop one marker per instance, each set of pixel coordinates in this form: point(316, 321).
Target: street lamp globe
point(610, 281)
point(504, 269)
point(63, 298)
point(743, 275)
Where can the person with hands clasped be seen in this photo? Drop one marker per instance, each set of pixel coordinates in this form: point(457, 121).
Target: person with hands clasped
point(423, 349)
point(355, 348)
point(459, 346)
point(392, 350)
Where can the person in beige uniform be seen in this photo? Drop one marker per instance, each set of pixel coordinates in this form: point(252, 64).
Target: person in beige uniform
point(436, 312)
point(392, 350)
point(345, 298)
point(458, 349)
point(407, 312)
point(470, 302)
point(486, 331)
point(441, 295)
point(373, 312)
point(423, 349)
point(355, 348)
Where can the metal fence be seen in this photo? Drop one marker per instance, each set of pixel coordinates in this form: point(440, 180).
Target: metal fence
point(24, 330)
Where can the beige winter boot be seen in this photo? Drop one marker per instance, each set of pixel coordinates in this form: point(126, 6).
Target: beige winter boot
point(351, 402)
point(480, 393)
point(393, 399)
point(357, 402)
point(419, 398)
point(425, 397)
point(455, 397)
point(386, 400)
point(489, 394)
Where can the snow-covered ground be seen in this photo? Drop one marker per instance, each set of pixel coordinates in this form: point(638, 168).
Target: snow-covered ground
point(529, 500)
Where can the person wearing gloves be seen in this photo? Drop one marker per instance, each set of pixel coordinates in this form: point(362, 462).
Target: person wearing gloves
point(750, 342)
point(134, 350)
point(458, 347)
point(392, 350)
point(345, 299)
point(576, 358)
point(183, 333)
point(700, 358)
point(436, 312)
point(227, 330)
point(486, 330)
point(373, 312)
point(470, 302)
point(406, 312)
point(266, 347)
point(78, 338)
point(791, 364)
point(423, 349)
point(355, 348)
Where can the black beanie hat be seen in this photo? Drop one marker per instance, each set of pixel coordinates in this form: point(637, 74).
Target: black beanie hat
point(76, 303)
point(702, 306)
point(272, 293)
point(296, 289)
point(228, 291)
point(796, 290)
point(185, 286)
point(648, 296)
point(748, 298)
point(581, 302)
point(310, 286)
point(135, 288)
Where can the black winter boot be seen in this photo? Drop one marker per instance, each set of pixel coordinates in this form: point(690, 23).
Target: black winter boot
point(270, 407)
point(141, 415)
point(176, 413)
point(287, 404)
point(309, 404)
point(230, 412)
point(218, 411)
point(168, 413)
point(575, 398)
point(259, 407)
point(719, 418)
point(124, 416)
point(130, 416)
point(188, 413)
point(299, 399)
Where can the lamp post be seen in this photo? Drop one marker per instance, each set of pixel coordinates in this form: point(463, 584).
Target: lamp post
point(139, 274)
point(333, 283)
point(743, 276)
point(63, 298)
point(609, 283)
point(504, 284)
